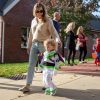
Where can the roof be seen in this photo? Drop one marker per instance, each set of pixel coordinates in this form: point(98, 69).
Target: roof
point(95, 25)
point(6, 5)
point(2, 4)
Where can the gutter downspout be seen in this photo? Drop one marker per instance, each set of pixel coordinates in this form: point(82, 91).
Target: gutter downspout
point(0, 36)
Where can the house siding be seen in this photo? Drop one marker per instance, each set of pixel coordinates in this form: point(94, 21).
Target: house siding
point(19, 16)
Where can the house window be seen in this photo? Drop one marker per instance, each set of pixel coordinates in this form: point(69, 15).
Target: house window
point(24, 36)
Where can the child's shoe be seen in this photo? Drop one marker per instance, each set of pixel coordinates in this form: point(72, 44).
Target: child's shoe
point(52, 92)
point(47, 91)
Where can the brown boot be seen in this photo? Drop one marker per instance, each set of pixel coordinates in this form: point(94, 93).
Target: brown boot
point(25, 88)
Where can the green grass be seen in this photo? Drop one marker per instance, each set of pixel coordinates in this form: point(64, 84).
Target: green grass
point(89, 59)
point(76, 61)
point(9, 69)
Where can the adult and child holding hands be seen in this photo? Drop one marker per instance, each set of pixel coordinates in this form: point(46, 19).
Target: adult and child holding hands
point(44, 38)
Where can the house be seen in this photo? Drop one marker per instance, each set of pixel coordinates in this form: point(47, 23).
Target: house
point(95, 30)
point(15, 21)
point(95, 25)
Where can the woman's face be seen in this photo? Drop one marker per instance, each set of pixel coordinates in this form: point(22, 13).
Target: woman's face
point(39, 13)
point(81, 30)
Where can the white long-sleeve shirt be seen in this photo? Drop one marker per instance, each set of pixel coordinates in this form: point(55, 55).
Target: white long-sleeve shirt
point(40, 31)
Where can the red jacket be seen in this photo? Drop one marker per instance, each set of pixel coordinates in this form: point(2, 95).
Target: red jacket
point(97, 47)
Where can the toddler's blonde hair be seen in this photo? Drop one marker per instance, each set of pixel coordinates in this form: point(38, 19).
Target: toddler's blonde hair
point(52, 42)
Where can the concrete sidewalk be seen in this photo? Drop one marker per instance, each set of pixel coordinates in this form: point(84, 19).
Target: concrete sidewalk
point(70, 87)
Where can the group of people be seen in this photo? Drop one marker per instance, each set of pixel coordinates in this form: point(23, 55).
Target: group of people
point(74, 41)
point(44, 38)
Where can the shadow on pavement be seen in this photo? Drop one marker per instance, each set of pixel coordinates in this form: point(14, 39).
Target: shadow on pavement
point(74, 94)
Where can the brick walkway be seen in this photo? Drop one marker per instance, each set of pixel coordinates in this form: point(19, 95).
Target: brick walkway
point(87, 69)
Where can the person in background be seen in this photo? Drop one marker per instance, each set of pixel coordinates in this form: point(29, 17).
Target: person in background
point(57, 25)
point(42, 28)
point(70, 42)
point(82, 47)
point(96, 48)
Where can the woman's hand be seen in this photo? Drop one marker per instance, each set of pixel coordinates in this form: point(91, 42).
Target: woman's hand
point(86, 38)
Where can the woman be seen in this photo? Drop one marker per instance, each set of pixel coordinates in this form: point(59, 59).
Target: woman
point(41, 29)
point(71, 37)
point(82, 41)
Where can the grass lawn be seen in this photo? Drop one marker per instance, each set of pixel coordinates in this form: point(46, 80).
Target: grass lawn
point(9, 69)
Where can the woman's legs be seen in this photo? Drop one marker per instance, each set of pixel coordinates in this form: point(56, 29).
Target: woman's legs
point(85, 52)
point(74, 52)
point(80, 54)
point(32, 63)
point(36, 47)
point(33, 57)
point(69, 55)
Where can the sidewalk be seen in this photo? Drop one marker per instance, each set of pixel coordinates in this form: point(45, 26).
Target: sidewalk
point(71, 86)
point(81, 82)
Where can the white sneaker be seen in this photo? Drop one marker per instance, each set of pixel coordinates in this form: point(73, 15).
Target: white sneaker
point(84, 61)
point(80, 62)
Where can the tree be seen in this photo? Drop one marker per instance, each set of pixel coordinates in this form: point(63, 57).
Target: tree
point(79, 11)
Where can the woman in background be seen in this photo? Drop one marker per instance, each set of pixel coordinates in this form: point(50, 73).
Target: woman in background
point(71, 45)
point(82, 47)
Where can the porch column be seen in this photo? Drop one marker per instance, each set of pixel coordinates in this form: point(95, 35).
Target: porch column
point(1, 39)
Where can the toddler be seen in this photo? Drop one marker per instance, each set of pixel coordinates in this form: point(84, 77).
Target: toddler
point(50, 65)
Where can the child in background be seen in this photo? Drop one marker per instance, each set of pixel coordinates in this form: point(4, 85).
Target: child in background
point(96, 47)
point(50, 65)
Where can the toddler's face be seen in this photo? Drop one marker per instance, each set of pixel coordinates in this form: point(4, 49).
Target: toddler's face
point(50, 47)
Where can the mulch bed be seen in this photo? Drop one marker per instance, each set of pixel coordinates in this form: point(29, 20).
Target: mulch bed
point(86, 68)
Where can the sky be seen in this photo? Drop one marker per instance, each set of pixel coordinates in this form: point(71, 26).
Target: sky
point(94, 13)
point(97, 13)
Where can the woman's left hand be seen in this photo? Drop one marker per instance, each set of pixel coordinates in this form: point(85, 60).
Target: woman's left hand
point(60, 44)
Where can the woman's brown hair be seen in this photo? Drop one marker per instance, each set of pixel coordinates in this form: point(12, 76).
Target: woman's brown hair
point(40, 6)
